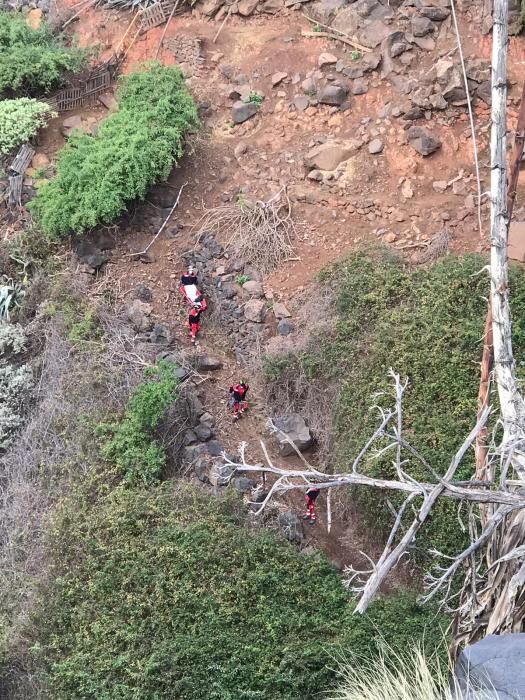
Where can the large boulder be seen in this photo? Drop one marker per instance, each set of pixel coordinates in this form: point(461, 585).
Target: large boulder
point(291, 526)
point(138, 313)
point(347, 21)
point(292, 427)
point(422, 140)
point(421, 26)
point(495, 665)
point(325, 10)
point(373, 34)
point(242, 111)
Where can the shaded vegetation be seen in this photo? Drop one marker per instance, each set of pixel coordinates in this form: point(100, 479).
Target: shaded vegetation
point(97, 176)
point(33, 60)
point(426, 324)
point(165, 594)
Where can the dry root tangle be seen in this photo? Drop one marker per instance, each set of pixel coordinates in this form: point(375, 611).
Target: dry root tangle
point(258, 232)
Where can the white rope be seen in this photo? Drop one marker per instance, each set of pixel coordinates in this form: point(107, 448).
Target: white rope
point(471, 116)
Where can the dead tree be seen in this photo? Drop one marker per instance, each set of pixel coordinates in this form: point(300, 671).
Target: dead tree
point(501, 494)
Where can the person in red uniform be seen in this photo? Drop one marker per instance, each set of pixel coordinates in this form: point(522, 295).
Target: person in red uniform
point(310, 497)
point(238, 395)
point(194, 321)
point(189, 277)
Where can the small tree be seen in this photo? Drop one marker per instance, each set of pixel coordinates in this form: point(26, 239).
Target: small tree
point(20, 120)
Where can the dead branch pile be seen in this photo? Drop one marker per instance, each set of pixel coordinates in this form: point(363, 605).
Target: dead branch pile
point(258, 232)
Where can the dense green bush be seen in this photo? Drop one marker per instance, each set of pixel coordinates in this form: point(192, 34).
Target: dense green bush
point(97, 176)
point(131, 445)
point(32, 59)
point(426, 324)
point(164, 594)
point(20, 120)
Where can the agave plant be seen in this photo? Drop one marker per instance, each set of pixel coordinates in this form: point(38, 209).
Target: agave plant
point(11, 295)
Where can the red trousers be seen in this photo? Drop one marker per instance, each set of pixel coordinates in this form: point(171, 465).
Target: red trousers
point(310, 508)
point(240, 406)
point(194, 329)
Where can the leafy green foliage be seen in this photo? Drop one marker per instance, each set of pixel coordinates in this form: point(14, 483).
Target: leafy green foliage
point(131, 445)
point(97, 176)
point(427, 325)
point(164, 594)
point(32, 59)
point(20, 120)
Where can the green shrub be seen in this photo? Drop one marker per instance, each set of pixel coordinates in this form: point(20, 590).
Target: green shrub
point(165, 594)
point(32, 59)
point(20, 120)
point(427, 325)
point(131, 445)
point(97, 176)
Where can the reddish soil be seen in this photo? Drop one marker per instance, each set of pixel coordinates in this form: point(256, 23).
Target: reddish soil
point(276, 140)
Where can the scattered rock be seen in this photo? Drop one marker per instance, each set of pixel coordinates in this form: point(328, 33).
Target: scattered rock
point(390, 237)
point(375, 146)
point(327, 156)
point(421, 26)
point(292, 526)
point(138, 313)
point(284, 327)
point(359, 86)
point(200, 469)
point(247, 7)
point(326, 10)
point(309, 86)
point(242, 111)
point(214, 447)
point(40, 161)
point(294, 427)
point(207, 363)
point(301, 102)
point(484, 92)
point(240, 149)
point(333, 95)
point(373, 34)
point(160, 335)
point(326, 59)
point(278, 78)
point(438, 101)
point(143, 293)
point(406, 189)
point(254, 310)
point(440, 185)
point(280, 311)
point(34, 18)
point(220, 474)
point(422, 140)
point(424, 42)
point(70, 124)
point(437, 14)
point(203, 432)
point(244, 484)
point(107, 99)
point(254, 288)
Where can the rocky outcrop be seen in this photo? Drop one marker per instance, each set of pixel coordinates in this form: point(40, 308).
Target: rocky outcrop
point(292, 427)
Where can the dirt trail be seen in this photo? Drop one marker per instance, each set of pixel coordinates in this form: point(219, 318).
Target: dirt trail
point(391, 192)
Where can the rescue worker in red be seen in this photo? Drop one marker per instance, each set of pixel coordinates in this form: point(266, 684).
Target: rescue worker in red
point(310, 497)
point(194, 320)
point(238, 395)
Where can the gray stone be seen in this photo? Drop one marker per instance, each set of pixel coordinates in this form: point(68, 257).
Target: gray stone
point(373, 34)
point(220, 474)
point(243, 484)
point(301, 102)
point(203, 432)
point(325, 10)
point(422, 140)
point(421, 26)
point(293, 427)
point(280, 311)
point(326, 59)
point(193, 452)
point(254, 310)
point(359, 87)
point(347, 20)
point(437, 14)
point(242, 111)
point(478, 70)
point(291, 526)
point(200, 469)
point(189, 438)
point(253, 273)
point(214, 448)
point(278, 78)
point(333, 95)
point(138, 313)
point(309, 86)
point(454, 91)
point(495, 665)
point(207, 363)
point(160, 335)
point(207, 419)
point(375, 146)
point(424, 42)
point(228, 291)
point(484, 92)
point(354, 72)
point(284, 327)
point(387, 52)
point(143, 293)
point(247, 7)
point(254, 288)
point(371, 62)
point(240, 149)
point(438, 101)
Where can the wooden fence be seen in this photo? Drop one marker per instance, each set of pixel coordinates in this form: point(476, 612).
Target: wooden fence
point(86, 92)
point(15, 174)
